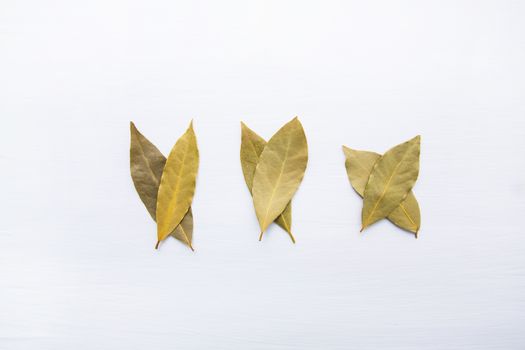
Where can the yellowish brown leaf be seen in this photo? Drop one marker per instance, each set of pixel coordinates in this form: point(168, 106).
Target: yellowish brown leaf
point(177, 186)
point(146, 164)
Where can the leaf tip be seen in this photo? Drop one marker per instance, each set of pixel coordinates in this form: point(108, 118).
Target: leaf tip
point(296, 120)
point(244, 127)
point(132, 126)
point(291, 236)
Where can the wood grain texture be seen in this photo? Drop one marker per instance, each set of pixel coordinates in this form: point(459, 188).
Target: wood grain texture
point(77, 268)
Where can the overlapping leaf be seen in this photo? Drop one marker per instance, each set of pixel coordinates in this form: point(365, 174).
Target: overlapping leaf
point(279, 172)
point(177, 186)
point(146, 165)
point(252, 146)
point(359, 165)
point(390, 181)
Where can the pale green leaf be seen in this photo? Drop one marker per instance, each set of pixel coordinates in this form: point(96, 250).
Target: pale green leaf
point(390, 181)
point(279, 172)
point(359, 165)
point(252, 146)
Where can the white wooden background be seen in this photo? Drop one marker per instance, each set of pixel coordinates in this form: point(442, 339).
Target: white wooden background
point(77, 264)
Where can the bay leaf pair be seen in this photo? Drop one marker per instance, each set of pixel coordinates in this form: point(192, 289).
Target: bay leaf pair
point(166, 186)
point(385, 182)
point(273, 171)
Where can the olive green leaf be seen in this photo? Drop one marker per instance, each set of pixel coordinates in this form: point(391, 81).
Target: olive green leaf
point(390, 181)
point(177, 186)
point(252, 146)
point(359, 165)
point(279, 172)
point(147, 163)
point(184, 231)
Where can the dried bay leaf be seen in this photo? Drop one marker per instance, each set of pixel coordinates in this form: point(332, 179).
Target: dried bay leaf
point(359, 165)
point(146, 164)
point(184, 231)
point(391, 179)
point(407, 215)
point(177, 186)
point(252, 146)
point(279, 172)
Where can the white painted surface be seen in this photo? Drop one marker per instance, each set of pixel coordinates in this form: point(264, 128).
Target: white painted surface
point(77, 264)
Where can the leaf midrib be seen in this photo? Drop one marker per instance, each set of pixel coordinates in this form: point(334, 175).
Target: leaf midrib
point(278, 181)
point(173, 198)
point(407, 215)
point(386, 187)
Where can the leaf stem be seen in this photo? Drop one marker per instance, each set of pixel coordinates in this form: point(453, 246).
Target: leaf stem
point(260, 236)
point(157, 245)
point(292, 237)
